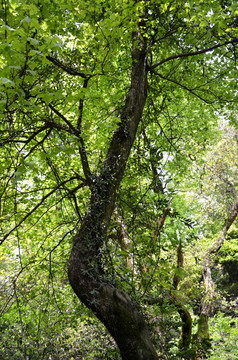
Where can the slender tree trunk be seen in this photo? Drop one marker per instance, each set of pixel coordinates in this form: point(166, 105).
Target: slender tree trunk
point(186, 331)
point(111, 305)
point(123, 240)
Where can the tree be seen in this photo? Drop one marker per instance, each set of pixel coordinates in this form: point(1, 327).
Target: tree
point(220, 170)
point(83, 87)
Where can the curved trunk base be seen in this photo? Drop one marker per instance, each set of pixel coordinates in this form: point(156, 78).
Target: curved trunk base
point(116, 310)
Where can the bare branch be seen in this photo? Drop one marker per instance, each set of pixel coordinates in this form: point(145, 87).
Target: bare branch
point(73, 129)
point(66, 68)
point(54, 125)
point(37, 144)
point(78, 176)
point(183, 55)
point(32, 136)
point(81, 104)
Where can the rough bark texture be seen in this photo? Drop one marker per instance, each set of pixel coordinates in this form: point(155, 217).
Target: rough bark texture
point(111, 305)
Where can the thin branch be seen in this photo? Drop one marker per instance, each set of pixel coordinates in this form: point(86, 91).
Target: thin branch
point(60, 242)
point(85, 163)
point(154, 40)
point(66, 68)
point(183, 55)
point(217, 244)
point(162, 106)
point(73, 129)
point(76, 207)
point(36, 207)
point(81, 104)
point(31, 150)
point(9, 140)
point(161, 220)
point(37, 144)
point(79, 176)
point(82, 149)
point(208, 300)
point(184, 87)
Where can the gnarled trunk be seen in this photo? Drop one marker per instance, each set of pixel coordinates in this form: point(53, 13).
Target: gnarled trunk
point(111, 305)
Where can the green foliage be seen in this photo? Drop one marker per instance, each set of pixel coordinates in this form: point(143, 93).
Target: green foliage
point(224, 333)
point(65, 73)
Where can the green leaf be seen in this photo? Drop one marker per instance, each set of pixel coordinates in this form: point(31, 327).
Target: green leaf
point(7, 82)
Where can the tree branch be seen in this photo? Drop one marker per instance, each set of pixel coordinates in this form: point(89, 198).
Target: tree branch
point(81, 104)
point(229, 221)
point(184, 87)
point(82, 149)
point(36, 207)
point(37, 144)
point(9, 140)
point(161, 220)
point(217, 244)
point(73, 129)
point(86, 273)
point(186, 331)
point(183, 55)
point(54, 125)
point(66, 68)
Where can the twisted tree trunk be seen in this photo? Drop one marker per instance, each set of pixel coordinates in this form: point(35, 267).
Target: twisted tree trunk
point(111, 305)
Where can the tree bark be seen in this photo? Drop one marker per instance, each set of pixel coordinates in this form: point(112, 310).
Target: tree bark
point(111, 305)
